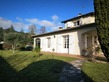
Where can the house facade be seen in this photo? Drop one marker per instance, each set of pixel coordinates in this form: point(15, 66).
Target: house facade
point(79, 33)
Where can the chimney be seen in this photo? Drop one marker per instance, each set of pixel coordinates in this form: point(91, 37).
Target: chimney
point(80, 14)
point(60, 28)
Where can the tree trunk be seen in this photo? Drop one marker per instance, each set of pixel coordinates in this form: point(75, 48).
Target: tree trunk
point(13, 48)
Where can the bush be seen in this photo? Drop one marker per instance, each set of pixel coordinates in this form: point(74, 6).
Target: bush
point(22, 49)
point(7, 46)
point(37, 49)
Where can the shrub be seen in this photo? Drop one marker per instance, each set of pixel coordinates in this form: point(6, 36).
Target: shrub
point(22, 48)
point(37, 49)
point(7, 46)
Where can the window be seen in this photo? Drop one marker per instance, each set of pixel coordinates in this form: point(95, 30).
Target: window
point(38, 43)
point(76, 23)
point(66, 41)
point(95, 40)
point(49, 42)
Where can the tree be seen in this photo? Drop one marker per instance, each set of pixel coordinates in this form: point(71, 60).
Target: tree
point(11, 29)
point(42, 30)
point(32, 29)
point(102, 20)
point(22, 30)
point(1, 34)
point(13, 39)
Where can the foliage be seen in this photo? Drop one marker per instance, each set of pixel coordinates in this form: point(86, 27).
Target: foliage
point(9, 30)
point(96, 72)
point(102, 21)
point(5, 31)
point(29, 67)
point(26, 38)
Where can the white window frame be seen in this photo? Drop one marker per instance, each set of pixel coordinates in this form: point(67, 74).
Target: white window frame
point(66, 41)
point(76, 23)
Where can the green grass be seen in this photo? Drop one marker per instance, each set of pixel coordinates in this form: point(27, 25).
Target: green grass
point(29, 66)
point(96, 72)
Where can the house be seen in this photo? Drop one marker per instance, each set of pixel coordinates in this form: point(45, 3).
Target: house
point(79, 33)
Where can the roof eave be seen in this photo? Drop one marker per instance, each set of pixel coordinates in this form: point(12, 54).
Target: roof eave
point(79, 27)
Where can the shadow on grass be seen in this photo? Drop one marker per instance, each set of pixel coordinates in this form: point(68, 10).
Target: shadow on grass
point(41, 71)
point(7, 73)
point(86, 77)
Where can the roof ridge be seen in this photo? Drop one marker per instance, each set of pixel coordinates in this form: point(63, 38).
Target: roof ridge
point(77, 17)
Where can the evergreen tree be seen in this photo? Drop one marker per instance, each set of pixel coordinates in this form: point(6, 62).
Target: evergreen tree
point(1, 34)
point(12, 29)
point(102, 20)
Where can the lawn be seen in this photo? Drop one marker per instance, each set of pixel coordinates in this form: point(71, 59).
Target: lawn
point(27, 66)
point(96, 72)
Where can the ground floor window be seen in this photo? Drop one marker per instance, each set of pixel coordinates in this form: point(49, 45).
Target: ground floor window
point(66, 41)
point(49, 42)
point(38, 43)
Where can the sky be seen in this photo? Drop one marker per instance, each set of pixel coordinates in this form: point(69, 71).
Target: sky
point(48, 13)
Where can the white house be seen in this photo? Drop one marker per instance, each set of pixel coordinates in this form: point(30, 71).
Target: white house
point(79, 33)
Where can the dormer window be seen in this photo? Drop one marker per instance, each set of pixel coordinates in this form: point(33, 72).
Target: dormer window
point(69, 24)
point(76, 23)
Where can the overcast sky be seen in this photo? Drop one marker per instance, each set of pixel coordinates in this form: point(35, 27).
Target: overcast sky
point(48, 13)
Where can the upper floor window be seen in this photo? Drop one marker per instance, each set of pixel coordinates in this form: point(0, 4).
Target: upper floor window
point(69, 24)
point(76, 23)
point(66, 41)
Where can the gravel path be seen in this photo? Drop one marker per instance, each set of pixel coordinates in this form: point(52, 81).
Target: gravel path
point(72, 72)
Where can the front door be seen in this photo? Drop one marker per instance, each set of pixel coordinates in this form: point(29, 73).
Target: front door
point(38, 43)
point(66, 43)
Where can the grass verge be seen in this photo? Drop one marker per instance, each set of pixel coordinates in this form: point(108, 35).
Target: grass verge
point(96, 72)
